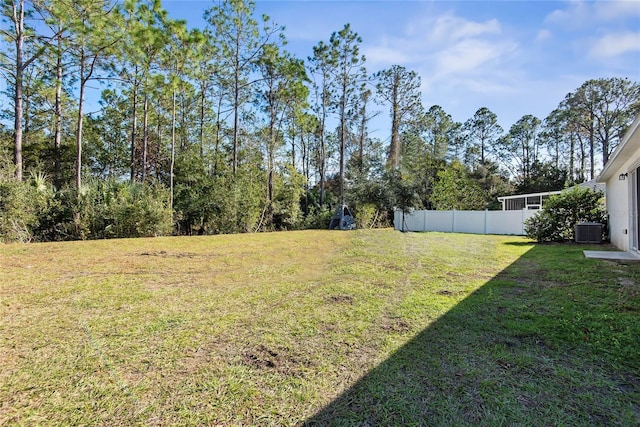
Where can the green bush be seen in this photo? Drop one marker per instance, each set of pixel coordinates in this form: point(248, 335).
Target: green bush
point(557, 221)
point(318, 218)
point(115, 209)
point(24, 206)
point(289, 188)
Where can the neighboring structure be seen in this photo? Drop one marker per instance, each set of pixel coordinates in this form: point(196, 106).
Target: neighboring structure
point(525, 201)
point(536, 201)
point(342, 219)
point(621, 175)
point(594, 185)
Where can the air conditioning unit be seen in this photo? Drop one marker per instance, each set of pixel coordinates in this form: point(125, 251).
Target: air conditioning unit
point(588, 232)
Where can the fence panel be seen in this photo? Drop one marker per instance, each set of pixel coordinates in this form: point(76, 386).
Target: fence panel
point(474, 222)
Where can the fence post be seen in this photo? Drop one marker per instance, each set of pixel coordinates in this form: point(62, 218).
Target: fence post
point(486, 214)
point(453, 221)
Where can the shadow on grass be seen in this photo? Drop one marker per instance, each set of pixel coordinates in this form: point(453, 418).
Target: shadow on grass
point(548, 341)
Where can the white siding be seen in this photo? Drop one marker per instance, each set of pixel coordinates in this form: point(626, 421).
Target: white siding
point(619, 207)
point(624, 160)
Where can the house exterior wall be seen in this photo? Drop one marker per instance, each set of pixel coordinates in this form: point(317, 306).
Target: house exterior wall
point(620, 201)
point(618, 210)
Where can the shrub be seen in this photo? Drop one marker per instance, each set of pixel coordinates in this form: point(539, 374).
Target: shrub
point(318, 218)
point(114, 209)
point(24, 205)
point(556, 222)
point(289, 188)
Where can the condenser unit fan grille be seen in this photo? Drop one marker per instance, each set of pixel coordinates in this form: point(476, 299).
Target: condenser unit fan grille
point(588, 232)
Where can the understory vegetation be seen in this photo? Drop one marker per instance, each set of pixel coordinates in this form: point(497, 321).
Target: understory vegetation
point(371, 327)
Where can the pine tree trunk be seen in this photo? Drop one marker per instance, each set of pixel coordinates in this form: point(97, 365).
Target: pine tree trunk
point(363, 137)
point(271, 154)
point(202, 110)
point(134, 126)
point(236, 104)
point(18, 17)
point(394, 149)
point(79, 126)
point(145, 136)
point(323, 154)
point(572, 149)
point(173, 145)
point(57, 140)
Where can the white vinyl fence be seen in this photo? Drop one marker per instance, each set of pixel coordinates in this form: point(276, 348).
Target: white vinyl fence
point(474, 222)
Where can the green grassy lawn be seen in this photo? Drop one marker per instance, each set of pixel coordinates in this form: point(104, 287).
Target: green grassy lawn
point(319, 328)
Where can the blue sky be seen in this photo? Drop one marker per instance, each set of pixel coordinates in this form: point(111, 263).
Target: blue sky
point(514, 57)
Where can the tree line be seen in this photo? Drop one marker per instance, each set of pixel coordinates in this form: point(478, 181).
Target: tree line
point(221, 129)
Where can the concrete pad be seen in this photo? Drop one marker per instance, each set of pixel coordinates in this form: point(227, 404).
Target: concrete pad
point(612, 255)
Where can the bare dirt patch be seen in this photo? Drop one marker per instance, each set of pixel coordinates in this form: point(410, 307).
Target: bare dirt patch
point(280, 360)
point(340, 299)
point(395, 325)
point(165, 254)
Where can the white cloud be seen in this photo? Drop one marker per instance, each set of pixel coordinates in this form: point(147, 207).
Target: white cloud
point(613, 10)
point(573, 15)
point(543, 35)
point(615, 44)
point(579, 14)
point(470, 55)
point(444, 45)
point(461, 61)
point(451, 28)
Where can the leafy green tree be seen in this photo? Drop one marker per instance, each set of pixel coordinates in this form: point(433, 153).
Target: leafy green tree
point(543, 176)
point(288, 190)
point(602, 109)
point(520, 148)
point(35, 139)
point(28, 46)
point(418, 162)
point(184, 49)
point(349, 74)
point(107, 142)
point(362, 117)
point(321, 65)
point(239, 40)
point(307, 126)
point(440, 129)
point(369, 195)
point(195, 201)
point(483, 133)
point(493, 182)
point(151, 39)
point(282, 87)
point(401, 89)
point(91, 24)
point(457, 139)
point(404, 190)
point(566, 141)
point(455, 189)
